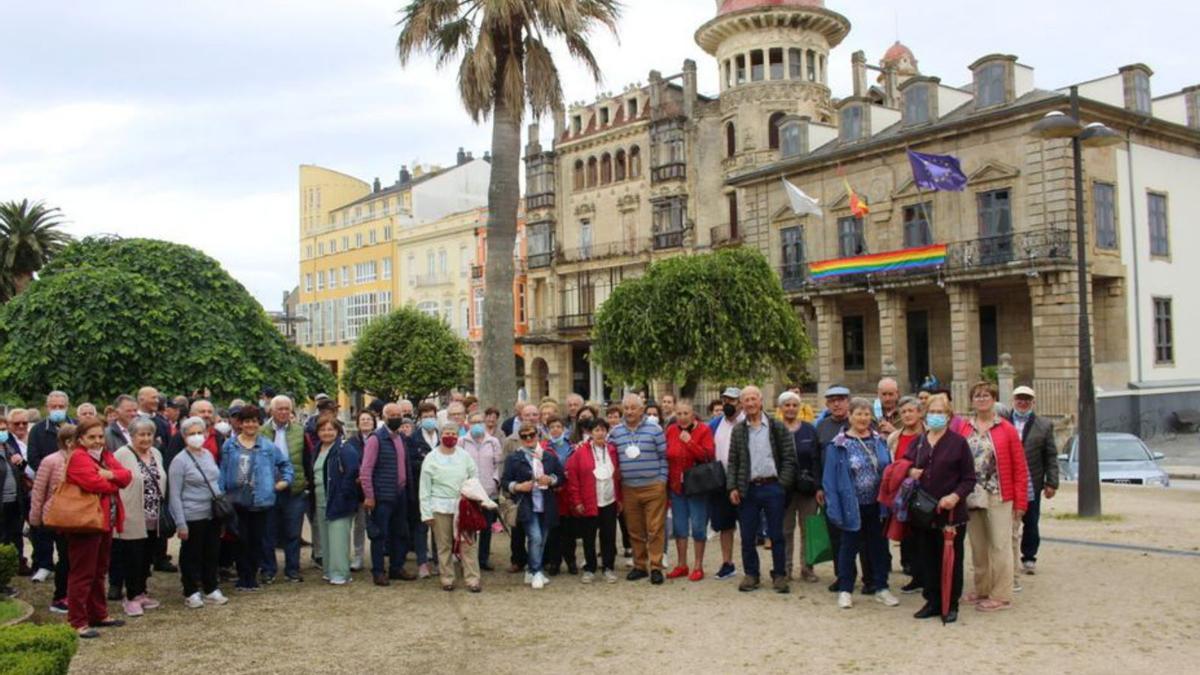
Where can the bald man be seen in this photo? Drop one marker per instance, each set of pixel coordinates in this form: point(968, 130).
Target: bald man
point(385, 476)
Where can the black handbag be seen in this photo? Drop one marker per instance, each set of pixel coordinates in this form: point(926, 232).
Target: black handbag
point(704, 479)
point(922, 506)
point(806, 483)
point(222, 508)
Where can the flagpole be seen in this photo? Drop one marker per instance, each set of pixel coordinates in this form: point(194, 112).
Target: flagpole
point(921, 194)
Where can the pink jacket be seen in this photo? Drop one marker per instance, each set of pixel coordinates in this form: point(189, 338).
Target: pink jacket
point(51, 472)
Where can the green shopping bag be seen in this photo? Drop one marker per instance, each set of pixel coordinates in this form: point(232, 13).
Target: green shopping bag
point(817, 548)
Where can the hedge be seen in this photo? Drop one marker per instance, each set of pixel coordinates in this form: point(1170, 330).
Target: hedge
point(29, 649)
point(9, 564)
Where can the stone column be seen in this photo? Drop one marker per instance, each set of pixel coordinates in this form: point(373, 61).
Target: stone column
point(1054, 304)
point(893, 334)
point(829, 348)
point(1006, 374)
point(964, 339)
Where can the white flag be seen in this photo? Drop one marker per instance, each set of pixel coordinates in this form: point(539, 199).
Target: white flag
point(801, 203)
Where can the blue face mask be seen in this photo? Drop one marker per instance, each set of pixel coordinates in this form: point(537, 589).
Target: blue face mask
point(936, 421)
point(477, 431)
point(58, 416)
point(556, 439)
point(1023, 416)
point(429, 424)
point(3, 436)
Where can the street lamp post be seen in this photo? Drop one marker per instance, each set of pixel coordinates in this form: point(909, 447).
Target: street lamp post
point(1057, 125)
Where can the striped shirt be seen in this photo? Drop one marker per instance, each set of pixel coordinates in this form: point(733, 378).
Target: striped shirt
point(650, 465)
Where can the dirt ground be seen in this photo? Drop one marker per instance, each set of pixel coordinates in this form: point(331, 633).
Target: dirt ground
point(1088, 610)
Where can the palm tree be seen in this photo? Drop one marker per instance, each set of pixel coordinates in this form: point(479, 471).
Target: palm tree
point(505, 66)
point(30, 236)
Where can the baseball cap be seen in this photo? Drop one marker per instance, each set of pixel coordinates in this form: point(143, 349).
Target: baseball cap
point(731, 392)
point(1024, 391)
point(837, 390)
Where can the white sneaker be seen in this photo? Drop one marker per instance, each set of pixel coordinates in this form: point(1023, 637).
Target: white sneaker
point(539, 581)
point(1029, 567)
point(587, 578)
point(194, 601)
point(356, 565)
point(339, 581)
point(629, 563)
point(886, 598)
point(40, 575)
point(1017, 588)
point(216, 598)
point(528, 578)
point(845, 600)
point(610, 577)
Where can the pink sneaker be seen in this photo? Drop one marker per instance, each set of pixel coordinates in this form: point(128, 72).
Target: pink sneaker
point(132, 608)
point(497, 527)
point(147, 602)
point(423, 571)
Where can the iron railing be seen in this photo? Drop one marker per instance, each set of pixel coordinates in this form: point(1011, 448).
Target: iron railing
point(667, 240)
point(542, 201)
point(672, 171)
point(539, 260)
point(576, 321)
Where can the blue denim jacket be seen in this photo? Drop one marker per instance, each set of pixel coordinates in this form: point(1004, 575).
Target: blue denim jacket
point(266, 462)
point(841, 499)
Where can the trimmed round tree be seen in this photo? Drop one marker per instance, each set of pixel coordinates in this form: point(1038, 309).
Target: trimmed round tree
point(407, 353)
point(720, 317)
point(109, 315)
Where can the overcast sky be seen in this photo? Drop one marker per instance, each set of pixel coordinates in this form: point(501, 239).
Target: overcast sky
point(187, 121)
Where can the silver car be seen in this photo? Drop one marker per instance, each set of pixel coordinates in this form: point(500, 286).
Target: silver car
point(1124, 459)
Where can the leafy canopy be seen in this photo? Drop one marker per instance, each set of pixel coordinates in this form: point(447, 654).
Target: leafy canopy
point(719, 316)
point(407, 353)
point(109, 315)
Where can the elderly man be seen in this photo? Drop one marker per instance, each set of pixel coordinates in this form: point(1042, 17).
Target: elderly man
point(886, 408)
point(722, 514)
point(14, 453)
point(642, 450)
point(86, 411)
point(385, 475)
point(526, 413)
point(148, 406)
point(43, 441)
point(1037, 434)
point(286, 519)
point(117, 433)
point(457, 413)
point(762, 469)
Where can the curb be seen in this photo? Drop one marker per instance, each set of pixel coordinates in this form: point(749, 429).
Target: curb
point(28, 612)
point(1183, 476)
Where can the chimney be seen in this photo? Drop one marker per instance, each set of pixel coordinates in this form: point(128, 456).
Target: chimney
point(377, 186)
point(689, 88)
point(1192, 102)
point(560, 123)
point(858, 63)
point(891, 86)
point(534, 145)
point(405, 176)
point(656, 81)
point(1135, 79)
point(470, 155)
point(487, 156)
point(462, 157)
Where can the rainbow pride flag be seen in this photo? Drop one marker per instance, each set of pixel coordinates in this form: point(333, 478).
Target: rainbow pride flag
point(878, 263)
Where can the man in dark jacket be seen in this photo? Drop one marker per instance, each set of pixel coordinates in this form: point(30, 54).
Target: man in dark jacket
point(1037, 434)
point(762, 469)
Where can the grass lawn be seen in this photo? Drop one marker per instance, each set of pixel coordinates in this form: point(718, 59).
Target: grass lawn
point(9, 610)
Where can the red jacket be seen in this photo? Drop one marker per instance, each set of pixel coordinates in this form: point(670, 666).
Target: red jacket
point(581, 484)
point(83, 471)
point(1010, 463)
point(683, 456)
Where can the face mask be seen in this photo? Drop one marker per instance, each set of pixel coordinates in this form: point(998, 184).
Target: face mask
point(1023, 416)
point(936, 421)
point(195, 441)
point(58, 416)
point(729, 409)
point(477, 431)
point(223, 428)
point(429, 424)
point(262, 402)
point(3, 436)
point(449, 441)
point(394, 423)
point(652, 419)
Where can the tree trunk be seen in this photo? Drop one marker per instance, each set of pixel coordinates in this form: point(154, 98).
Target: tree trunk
point(20, 282)
point(496, 381)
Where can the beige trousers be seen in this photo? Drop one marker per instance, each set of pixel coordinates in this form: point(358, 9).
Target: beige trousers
point(990, 531)
point(1017, 530)
point(798, 508)
point(443, 534)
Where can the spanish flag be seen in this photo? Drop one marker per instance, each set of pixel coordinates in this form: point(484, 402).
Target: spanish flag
point(858, 207)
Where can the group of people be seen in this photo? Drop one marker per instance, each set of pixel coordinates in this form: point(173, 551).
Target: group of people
point(237, 485)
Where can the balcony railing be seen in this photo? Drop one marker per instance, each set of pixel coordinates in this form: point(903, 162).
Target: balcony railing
point(576, 321)
point(793, 276)
point(612, 249)
point(435, 279)
point(476, 271)
point(542, 201)
point(724, 234)
point(673, 171)
point(540, 260)
point(667, 240)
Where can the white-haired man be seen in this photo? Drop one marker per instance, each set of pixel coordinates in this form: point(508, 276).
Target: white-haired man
point(642, 450)
point(286, 519)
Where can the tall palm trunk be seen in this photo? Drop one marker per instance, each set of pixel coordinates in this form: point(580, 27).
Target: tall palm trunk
point(496, 380)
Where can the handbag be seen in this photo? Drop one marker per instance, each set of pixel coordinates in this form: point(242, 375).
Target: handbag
point(806, 483)
point(704, 478)
point(922, 509)
point(222, 508)
point(73, 510)
point(817, 547)
point(166, 521)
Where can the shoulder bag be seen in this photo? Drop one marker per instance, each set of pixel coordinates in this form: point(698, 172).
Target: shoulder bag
point(166, 521)
point(922, 507)
point(704, 479)
point(222, 508)
point(73, 510)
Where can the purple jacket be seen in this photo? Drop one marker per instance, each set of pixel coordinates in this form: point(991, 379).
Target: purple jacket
point(949, 467)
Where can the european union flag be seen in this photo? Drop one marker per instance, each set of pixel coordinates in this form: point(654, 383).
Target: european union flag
point(937, 172)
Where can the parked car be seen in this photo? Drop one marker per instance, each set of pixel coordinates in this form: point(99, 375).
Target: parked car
point(1124, 459)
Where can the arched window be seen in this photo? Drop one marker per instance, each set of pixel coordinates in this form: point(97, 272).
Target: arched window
point(606, 169)
point(730, 140)
point(773, 123)
point(635, 162)
point(579, 174)
point(591, 172)
point(620, 166)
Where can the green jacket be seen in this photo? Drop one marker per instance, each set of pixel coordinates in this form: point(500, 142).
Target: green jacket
point(782, 447)
point(295, 451)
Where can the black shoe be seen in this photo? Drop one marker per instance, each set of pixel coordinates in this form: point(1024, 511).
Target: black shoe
point(381, 580)
point(912, 587)
point(907, 569)
point(553, 570)
point(636, 574)
point(869, 590)
point(926, 612)
point(833, 587)
point(115, 594)
point(656, 577)
point(295, 578)
point(165, 566)
point(267, 579)
point(572, 569)
point(487, 567)
point(950, 617)
point(226, 574)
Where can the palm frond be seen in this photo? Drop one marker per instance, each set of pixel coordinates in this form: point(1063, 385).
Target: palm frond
point(542, 84)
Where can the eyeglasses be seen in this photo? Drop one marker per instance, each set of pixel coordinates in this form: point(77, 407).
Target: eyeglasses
point(526, 437)
point(19, 424)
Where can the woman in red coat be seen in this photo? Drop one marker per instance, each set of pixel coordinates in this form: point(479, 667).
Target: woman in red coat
point(689, 443)
point(93, 469)
point(593, 497)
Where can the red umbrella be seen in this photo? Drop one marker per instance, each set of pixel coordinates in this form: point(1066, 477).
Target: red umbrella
point(948, 534)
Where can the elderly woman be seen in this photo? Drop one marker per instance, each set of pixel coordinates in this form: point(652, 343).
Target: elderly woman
point(944, 467)
point(12, 492)
point(900, 443)
point(530, 475)
point(1001, 496)
point(442, 476)
point(144, 499)
point(854, 464)
point(253, 469)
point(193, 480)
point(485, 449)
point(806, 494)
point(594, 498)
point(50, 474)
point(94, 470)
point(335, 490)
point(366, 423)
point(689, 442)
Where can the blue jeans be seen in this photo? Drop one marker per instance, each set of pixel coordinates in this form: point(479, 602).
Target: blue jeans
point(767, 499)
point(285, 520)
point(535, 533)
point(389, 520)
point(870, 538)
point(689, 511)
point(1031, 539)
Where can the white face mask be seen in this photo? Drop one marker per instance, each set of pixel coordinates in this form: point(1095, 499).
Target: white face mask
point(195, 441)
point(652, 419)
point(223, 428)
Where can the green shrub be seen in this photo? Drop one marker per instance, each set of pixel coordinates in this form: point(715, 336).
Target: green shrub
point(27, 648)
point(990, 374)
point(9, 564)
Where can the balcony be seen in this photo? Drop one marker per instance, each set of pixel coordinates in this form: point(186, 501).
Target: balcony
point(673, 171)
point(613, 249)
point(540, 260)
point(999, 250)
point(793, 276)
point(723, 235)
point(542, 201)
point(476, 272)
point(666, 240)
point(427, 280)
point(576, 321)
